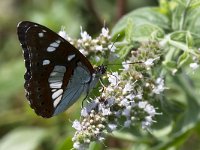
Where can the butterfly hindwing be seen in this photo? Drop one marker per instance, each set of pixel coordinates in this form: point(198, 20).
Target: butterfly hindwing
point(51, 64)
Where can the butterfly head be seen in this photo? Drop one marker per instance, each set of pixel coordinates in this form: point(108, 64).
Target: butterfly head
point(100, 69)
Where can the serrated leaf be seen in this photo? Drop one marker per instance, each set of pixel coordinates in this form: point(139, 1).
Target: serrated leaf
point(148, 15)
point(145, 32)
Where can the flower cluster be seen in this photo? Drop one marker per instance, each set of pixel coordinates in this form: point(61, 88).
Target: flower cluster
point(95, 48)
point(125, 101)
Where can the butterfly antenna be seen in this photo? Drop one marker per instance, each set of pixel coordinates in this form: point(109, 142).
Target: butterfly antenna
point(136, 62)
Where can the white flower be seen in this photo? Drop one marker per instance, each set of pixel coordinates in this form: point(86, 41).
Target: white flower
point(97, 58)
point(77, 125)
point(76, 145)
point(124, 102)
point(106, 111)
point(142, 104)
point(84, 112)
point(84, 52)
point(100, 138)
point(139, 96)
point(110, 89)
point(112, 47)
point(63, 34)
point(127, 123)
point(149, 119)
point(149, 62)
point(85, 36)
point(128, 87)
point(150, 110)
point(130, 96)
point(105, 32)
point(98, 47)
point(159, 86)
point(111, 101)
point(194, 66)
point(114, 79)
point(146, 124)
point(126, 112)
point(126, 65)
point(112, 126)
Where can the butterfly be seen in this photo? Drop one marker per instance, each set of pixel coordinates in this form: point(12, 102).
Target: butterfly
point(57, 74)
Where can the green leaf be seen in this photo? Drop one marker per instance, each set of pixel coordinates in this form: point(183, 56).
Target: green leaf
point(170, 65)
point(129, 31)
point(183, 59)
point(95, 146)
point(146, 32)
point(23, 139)
point(66, 145)
point(193, 20)
point(148, 15)
point(189, 39)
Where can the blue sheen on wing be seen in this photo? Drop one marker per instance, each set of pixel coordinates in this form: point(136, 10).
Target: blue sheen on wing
point(78, 85)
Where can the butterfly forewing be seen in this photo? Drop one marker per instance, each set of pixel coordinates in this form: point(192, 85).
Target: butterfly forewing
point(50, 62)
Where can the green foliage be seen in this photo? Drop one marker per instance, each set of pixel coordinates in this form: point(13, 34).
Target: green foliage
point(174, 24)
point(23, 139)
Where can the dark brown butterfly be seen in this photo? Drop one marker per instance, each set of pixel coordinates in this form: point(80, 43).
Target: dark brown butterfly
point(57, 74)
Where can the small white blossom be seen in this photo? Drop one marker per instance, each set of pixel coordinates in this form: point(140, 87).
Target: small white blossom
point(125, 102)
point(98, 47)
point(85, 36)
point(105, 32)
point(111, 101)
point(112, 127)
point(76, 145)
point(142, 104)
point(126, 65)
point(149, 62)
point(97, 58)
point(112, 47)
point(130, 96)
point(128, 87)
point(194, 66)
point(127, 123)
point(150, 110)
point(139, 96)
point(127, 111)
point(114, 79)
point(84, 52)
point(146, 124)
point(84, 112)
point(159, 86)
point(77, 125)
point(106, 111)
point(63, 34)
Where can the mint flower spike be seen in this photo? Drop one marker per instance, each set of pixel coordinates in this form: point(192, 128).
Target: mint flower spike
point(125, 101)
point(94, 47)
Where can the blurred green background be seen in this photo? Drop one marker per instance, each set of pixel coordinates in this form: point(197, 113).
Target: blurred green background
point(20, 127)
